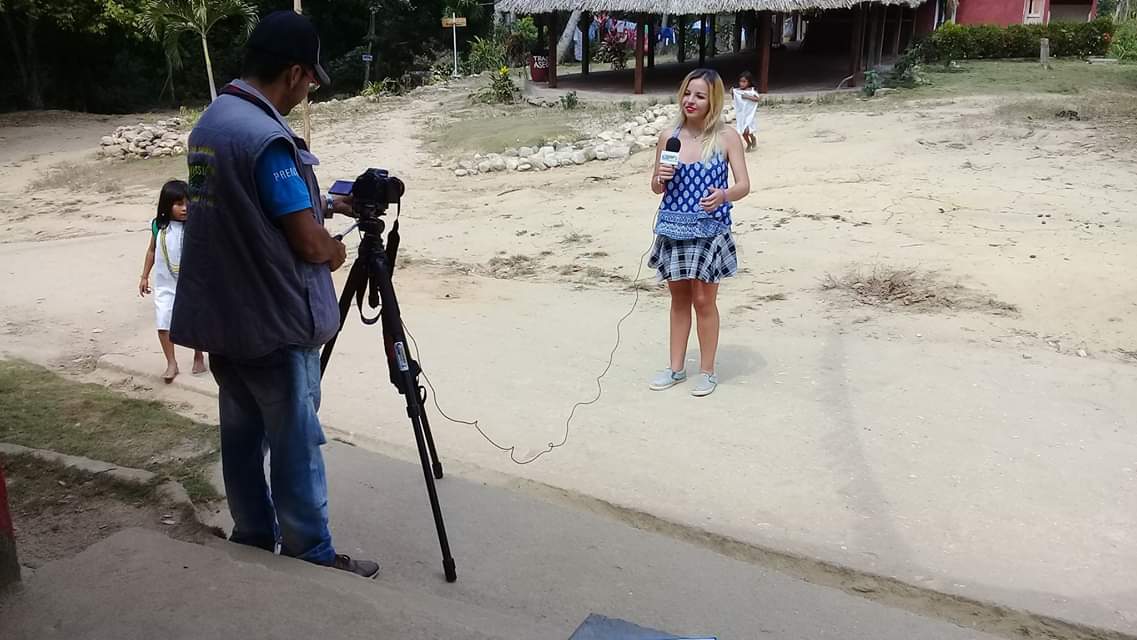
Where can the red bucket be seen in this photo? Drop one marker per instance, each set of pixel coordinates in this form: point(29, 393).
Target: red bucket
point(539, 68)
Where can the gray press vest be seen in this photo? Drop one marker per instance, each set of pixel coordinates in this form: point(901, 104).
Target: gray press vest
point(242, 293)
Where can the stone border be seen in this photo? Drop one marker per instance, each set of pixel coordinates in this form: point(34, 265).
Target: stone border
point(641, 133)
point(170, 490)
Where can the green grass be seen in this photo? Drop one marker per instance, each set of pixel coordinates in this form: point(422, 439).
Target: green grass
point(1002, 77)
point(44, 411)
point(40, 484)
point(494, 134)
point(1026, 92)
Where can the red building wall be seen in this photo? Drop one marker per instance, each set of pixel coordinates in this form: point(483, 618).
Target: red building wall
point(1000, 12)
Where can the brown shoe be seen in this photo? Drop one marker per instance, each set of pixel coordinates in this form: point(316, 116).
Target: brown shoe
point(365, 568)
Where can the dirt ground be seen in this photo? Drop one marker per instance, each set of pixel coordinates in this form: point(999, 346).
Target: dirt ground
point(58, 512)
point(927, 359)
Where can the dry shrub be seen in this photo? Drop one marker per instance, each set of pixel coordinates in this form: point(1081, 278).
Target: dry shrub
point(515, 266)
point(884, 286)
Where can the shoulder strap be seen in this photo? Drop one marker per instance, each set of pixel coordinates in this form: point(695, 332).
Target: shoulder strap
point(233, 90)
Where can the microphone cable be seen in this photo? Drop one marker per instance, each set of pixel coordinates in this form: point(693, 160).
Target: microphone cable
point(512, 449)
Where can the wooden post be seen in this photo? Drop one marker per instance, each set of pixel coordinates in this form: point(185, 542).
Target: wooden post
point(764, 52)
point(713, 23)
point(585, 49)
point(856, 47)
point(911, 29)
point(871, 39)
point(651, 37)
point(878, 46)
point(899, 28)
point(681, 34)
point(552, 40)
point(1044, 51)
point(702, 39)
point(304, 108)
point(797, 27)
point(639, 43)
point(737, 39)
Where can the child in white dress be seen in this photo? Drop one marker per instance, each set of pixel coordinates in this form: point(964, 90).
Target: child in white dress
point(746, 109)
point(165, 253)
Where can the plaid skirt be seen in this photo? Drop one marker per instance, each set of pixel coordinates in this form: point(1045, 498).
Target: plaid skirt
point(706, 259)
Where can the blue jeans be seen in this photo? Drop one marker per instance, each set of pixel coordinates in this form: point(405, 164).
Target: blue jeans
point(270, 404)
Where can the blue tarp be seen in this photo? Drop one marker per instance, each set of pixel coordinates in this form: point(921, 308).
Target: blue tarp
point(598, 627)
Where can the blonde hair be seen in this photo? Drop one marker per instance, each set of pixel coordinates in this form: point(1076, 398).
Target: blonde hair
point(712, 125)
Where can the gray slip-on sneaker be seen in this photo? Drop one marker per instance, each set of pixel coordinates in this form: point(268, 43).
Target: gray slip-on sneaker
point(666, 379)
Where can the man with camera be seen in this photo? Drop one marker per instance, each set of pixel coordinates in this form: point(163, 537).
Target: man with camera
point(255, 292)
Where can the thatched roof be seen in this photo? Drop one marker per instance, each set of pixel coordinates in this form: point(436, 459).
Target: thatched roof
point(684, 7)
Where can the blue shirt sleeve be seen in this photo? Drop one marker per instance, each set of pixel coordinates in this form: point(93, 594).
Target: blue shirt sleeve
point(281, 189)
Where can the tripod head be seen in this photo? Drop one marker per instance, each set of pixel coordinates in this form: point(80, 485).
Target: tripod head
point(373, 191)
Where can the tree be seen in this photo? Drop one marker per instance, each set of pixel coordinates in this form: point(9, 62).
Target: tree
point(167, 20)
point(566, 36)
point(23, 20)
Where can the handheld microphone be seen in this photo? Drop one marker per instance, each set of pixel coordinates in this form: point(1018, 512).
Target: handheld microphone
point(670, 155)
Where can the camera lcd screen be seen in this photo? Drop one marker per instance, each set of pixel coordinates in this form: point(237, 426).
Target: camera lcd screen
point(341, 188)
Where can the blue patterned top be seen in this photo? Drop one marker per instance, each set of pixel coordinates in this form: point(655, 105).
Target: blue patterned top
point(680, 216)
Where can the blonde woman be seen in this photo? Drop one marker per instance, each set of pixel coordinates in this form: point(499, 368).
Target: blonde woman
point(693, 248)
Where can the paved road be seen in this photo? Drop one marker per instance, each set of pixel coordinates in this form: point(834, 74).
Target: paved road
point(528, 568)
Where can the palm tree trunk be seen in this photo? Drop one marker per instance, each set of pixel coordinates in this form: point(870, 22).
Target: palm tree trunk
point(209, 69)
point(566, 35)
point(169, 83)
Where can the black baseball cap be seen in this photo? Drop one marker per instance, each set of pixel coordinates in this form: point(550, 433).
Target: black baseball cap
point(291, 36)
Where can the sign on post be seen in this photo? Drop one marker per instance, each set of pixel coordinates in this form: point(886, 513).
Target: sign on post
point(453, 22)
point(367, 57)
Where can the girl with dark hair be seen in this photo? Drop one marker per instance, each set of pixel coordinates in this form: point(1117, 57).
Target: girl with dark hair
point(165, 252)
point(746, 109)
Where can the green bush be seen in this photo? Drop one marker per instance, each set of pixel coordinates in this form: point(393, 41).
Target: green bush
point(614, 49)
point(1123, 45)
point(501, 89)
point(906, 70)
point(989, 38)
point(1067, 39)
point(486, 54)
point(517, 39)
point(872, 83)
point(1020, 37)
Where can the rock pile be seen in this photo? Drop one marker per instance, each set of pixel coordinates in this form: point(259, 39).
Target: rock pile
point(164, 138)
point(633, 136)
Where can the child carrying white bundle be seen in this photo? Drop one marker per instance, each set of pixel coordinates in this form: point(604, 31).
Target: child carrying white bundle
point(746, 109)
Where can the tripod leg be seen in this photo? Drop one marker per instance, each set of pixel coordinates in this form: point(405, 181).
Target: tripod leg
point(418, 421)
point(429, 436)
point(393, 330)
point(356, 282)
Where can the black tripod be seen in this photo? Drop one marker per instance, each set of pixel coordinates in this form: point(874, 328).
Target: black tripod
point(371, 274)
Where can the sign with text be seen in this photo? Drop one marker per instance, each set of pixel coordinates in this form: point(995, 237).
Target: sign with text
point(453, 22)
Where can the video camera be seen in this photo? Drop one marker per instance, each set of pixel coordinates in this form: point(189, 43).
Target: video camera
point(371, 193)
